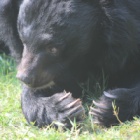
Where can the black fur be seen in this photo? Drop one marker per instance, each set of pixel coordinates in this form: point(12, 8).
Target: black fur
point(3, 48)
point(57, 43)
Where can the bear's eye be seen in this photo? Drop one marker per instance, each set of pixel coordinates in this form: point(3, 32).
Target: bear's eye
point(53, 50)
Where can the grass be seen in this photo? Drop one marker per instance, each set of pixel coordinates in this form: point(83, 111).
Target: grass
point(13, 126)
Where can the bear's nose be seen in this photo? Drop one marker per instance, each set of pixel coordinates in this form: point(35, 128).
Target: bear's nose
point(26, 79)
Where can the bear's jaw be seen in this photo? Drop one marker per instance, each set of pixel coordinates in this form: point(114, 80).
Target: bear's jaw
point(46, 86)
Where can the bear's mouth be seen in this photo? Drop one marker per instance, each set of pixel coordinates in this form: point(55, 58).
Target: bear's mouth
point(45, 86)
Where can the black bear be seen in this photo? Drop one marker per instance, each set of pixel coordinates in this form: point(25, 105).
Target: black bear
point(57, 43)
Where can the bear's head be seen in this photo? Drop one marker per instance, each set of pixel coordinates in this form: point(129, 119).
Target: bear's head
point(54, 33)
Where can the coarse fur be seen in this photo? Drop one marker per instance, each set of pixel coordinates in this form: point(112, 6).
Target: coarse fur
point(57, 43)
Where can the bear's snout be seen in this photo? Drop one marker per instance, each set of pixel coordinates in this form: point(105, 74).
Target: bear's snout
point(26, 79)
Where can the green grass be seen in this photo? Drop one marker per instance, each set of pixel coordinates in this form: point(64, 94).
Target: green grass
point(13, 126)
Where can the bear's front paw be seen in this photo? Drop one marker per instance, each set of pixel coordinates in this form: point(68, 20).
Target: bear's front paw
point(104, 112)
point(61, 107)
point(115, 106)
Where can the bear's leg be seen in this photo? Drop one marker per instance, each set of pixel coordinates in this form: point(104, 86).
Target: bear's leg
point(116, 106)
point(8, 28)
point(43, 111)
